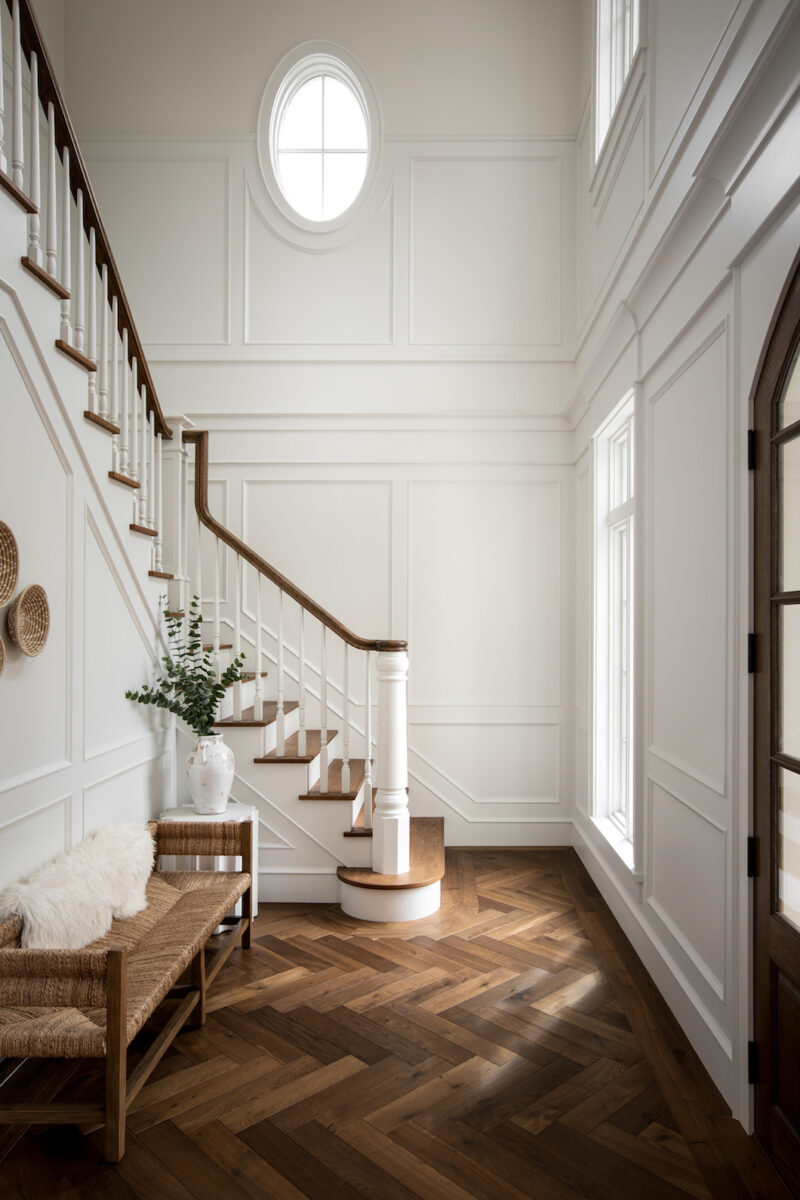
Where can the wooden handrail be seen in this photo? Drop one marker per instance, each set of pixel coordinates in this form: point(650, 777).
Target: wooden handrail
point(49, 91)
point(199, 438)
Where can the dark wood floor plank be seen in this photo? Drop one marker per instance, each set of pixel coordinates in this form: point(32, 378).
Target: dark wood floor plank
point(510, 1045)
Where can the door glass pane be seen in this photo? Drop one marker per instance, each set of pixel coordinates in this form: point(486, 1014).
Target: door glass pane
point(789, 403)
point(789, 847)
point(789, 675)
point(789, 520)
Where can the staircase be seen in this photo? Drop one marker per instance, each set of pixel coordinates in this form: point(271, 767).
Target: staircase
point(301, 721)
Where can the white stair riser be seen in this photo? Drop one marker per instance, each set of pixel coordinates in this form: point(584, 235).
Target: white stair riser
point(390, 904)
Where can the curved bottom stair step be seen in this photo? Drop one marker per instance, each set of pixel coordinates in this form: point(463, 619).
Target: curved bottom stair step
point(370, 896)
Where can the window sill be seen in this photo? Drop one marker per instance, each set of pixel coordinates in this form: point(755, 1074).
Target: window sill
point(616, 839)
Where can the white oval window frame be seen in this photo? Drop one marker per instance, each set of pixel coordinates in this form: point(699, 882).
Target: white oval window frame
point(293, 70)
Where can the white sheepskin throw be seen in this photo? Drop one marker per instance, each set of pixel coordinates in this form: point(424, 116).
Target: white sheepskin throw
point(69, 902)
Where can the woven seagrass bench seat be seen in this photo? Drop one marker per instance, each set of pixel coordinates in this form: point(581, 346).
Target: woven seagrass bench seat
point(183, 910)
point(91, 1003)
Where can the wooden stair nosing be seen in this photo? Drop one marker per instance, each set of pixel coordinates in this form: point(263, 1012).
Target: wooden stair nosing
point(160, 575)
point(101, 422)
point(143, 529)
point(357, 775)
point(269, 718)
point(126, 479)
point(291, 754)
point(76, 356)
point(210, 645)
point(49, 281)
point(24, 201)
point(248, 677)
point(427, 861)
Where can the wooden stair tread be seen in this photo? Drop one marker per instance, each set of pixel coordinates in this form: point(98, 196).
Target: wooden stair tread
point(160, 575)
point(8, 185)
point(101, 422)
point(270, 711)
point(427, 860)
point(291, 752)
point(248, 677)
point(76, 355)
point(49, 281)
point(143, 529)
point(334, 792)
point(126, 479)
point(359, 829)
point(222, 646)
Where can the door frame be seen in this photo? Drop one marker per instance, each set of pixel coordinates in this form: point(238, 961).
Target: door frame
point(780, 347)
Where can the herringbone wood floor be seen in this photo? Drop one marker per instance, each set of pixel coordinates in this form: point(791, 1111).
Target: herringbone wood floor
point(511, 1046)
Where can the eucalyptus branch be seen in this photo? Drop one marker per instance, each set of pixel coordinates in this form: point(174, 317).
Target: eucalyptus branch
point(187, 685)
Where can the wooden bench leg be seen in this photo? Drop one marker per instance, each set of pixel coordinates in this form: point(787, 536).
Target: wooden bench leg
point(198, 1014)
point(247, 865)
point(116, 1057)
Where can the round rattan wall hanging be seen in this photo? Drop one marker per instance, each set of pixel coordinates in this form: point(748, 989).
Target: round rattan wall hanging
point(9, 563)
point(29, 620)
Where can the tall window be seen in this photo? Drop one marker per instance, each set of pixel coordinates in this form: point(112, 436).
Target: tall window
point(614, 563)
point(617, 38)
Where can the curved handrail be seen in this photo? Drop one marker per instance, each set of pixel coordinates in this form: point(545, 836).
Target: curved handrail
point(199, 438)
point(49, 91)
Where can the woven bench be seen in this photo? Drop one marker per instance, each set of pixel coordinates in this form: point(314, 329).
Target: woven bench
point(91, 1003)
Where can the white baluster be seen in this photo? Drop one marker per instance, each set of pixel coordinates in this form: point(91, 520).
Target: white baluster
point(346, 721)
point(3, 159)
point(91, 322)
point(66, 253)
point(301, 732)
point(34, 225)
point(51, 252)
point(151, 463)
point(218, 549)
point(102, 373)
point(176, 566)
point(323, 709)
point(390, 848)
point(113, 382)
point(144, 482)
point(17, 148)
point(368, 743)
point(80, 265)
point(197, 584)
point(237, 631)
point(280, 718)
point(158, 549)
point(133, 444)
point(188, 506)
point(258, 700)
point(124, 452)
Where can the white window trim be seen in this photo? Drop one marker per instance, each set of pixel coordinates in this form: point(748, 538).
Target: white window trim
point(301, 63)
point(615, 53)
point(614, 816)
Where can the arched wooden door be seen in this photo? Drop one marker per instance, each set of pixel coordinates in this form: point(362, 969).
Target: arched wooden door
point(776, 761)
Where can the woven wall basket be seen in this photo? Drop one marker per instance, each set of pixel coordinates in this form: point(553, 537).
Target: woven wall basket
point(29, 620)
point(9, 563)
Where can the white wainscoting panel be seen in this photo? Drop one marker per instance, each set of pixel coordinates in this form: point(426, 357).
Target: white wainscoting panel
point(495, 764)
point(168, 219)
point(298, 297)
point(34, 837)
point(689, 557)
point(621, 203)
point(133, 792)
point(482, 272)
point(485, 592)
point(688, 872)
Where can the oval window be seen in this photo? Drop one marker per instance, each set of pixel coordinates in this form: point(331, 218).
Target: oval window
point(320, 138)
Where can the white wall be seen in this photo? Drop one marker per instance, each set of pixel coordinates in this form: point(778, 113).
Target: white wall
point(381, 401)
point(686, 229)
point(74, 753)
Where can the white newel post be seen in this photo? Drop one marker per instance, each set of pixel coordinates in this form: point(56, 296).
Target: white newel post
point(390, 838)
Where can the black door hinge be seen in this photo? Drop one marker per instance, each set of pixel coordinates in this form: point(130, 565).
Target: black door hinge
point(751, 449)
point(751, 653)
point(752, 857)
point(752, 1062)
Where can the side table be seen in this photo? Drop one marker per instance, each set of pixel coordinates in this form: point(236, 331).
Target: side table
point(207, 862)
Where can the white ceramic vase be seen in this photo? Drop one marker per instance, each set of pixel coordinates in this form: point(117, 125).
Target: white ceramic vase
point(209, 771)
